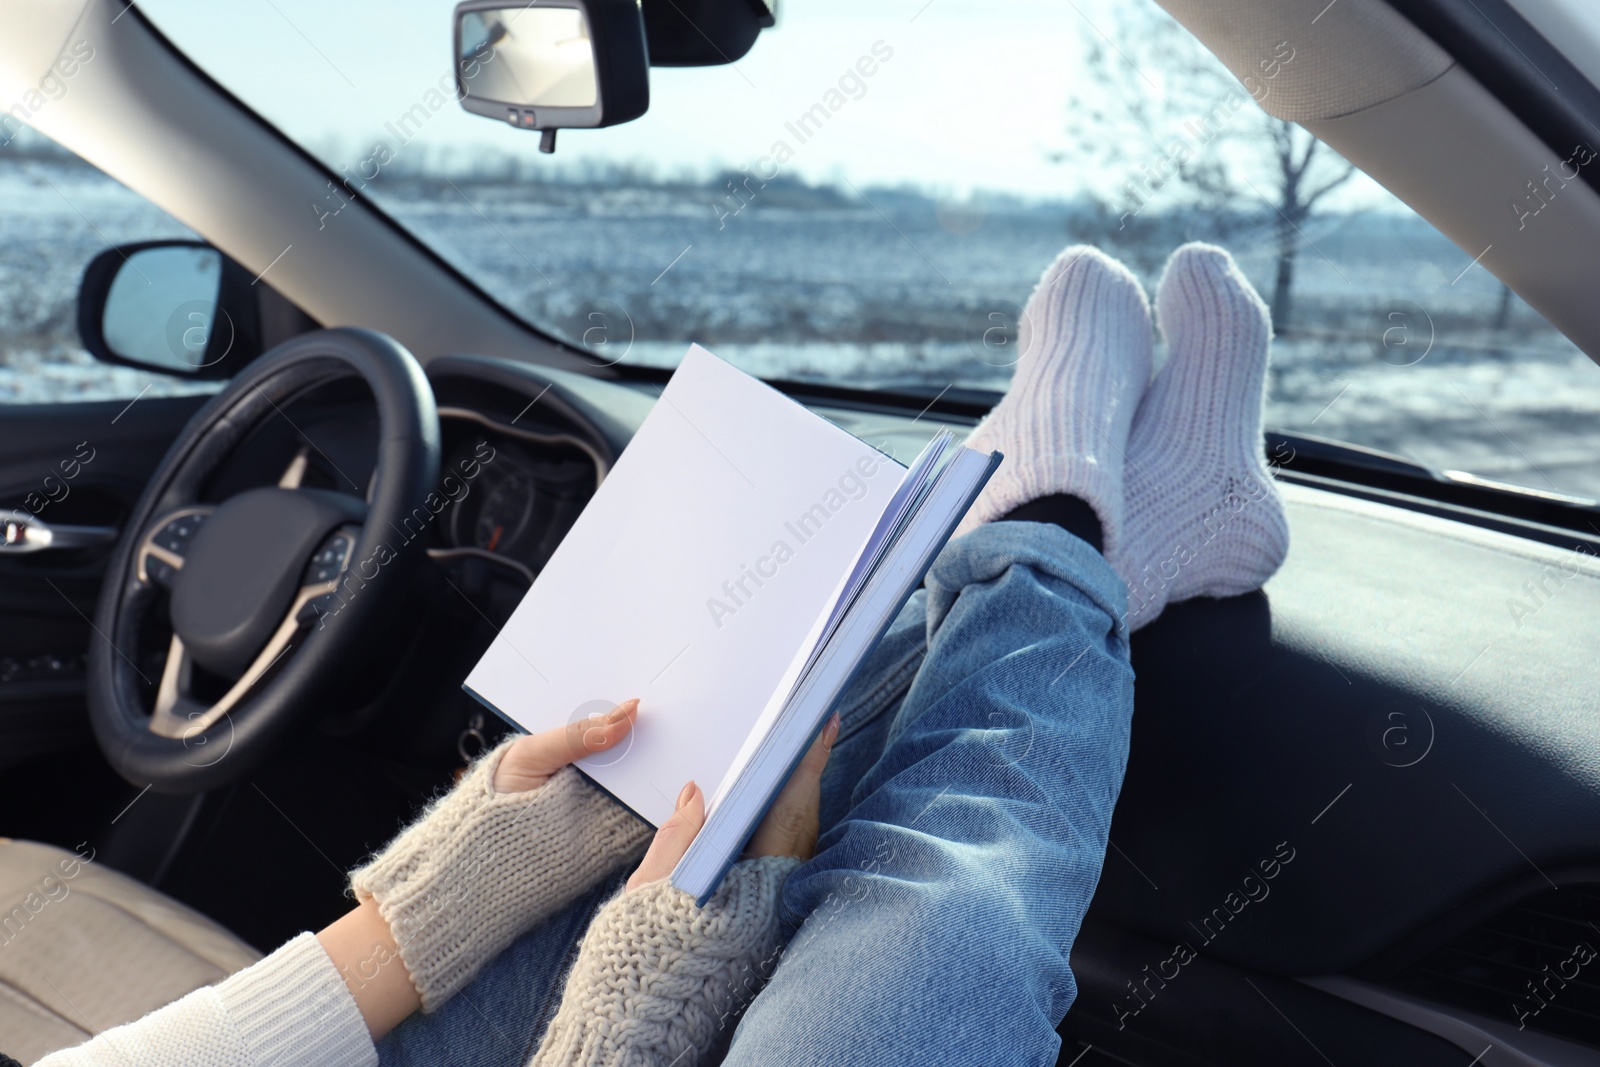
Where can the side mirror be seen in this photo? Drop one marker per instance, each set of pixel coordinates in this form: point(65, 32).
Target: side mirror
point(178, 307)
point(552, 64)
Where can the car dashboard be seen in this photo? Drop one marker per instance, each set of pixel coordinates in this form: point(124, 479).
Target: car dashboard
point(510, 494)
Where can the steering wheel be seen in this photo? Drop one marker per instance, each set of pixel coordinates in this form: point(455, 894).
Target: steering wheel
point(271, 592)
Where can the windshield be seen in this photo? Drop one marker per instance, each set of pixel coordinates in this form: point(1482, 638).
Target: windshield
point(868, 197)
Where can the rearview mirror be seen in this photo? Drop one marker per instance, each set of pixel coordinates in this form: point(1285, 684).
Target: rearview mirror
point(553, 64)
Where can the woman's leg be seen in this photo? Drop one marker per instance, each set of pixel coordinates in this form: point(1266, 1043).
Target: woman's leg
point(939, 915)
point(939, 912)
point(937, 918)
point(867, 709)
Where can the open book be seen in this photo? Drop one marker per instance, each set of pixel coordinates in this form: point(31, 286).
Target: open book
point(732, 571)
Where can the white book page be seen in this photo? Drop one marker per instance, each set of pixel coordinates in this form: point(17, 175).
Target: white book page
point(691, 580)
point(878, 540)
point(779, 699)
point(904, 498)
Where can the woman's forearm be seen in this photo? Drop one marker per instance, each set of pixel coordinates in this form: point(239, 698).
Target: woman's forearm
point(363, 949)
point(518, 837)
point(289, 1010)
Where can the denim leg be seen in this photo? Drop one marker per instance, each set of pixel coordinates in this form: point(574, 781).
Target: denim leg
point(938, 914)
point(498, 1019)
point(867, 708)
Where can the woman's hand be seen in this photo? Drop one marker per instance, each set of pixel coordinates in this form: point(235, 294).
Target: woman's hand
point(790, 828)
point(362, 944)
point(531, 761)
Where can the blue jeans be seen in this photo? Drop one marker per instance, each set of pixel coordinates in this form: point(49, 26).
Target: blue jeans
point(964, 817)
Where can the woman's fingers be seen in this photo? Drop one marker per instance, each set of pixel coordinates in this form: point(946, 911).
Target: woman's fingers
point(672, 840)
point(595, 734)
point(531, 761)
point(790, 828)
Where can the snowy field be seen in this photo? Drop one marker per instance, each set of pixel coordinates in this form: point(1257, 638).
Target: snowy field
point(53, 220)
point(896, 290)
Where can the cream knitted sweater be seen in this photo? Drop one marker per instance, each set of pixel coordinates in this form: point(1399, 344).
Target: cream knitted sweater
point(656, 977)
point(659, 981)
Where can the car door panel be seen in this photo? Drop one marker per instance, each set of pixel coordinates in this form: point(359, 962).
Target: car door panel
point(76, 464)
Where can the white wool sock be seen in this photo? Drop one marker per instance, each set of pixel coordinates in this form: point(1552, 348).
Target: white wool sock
point(1202, 516)
point(1063, 423)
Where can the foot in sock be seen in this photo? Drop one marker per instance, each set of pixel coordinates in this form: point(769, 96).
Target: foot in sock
point(1063, 424)
point(1202, 516)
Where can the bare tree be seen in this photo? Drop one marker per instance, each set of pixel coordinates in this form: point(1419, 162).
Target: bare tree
point(1502, 313)
point(1176, 117)
point(1299, 188)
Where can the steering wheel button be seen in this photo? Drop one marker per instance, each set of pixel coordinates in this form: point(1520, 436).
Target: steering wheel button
point(315, 608)
point(159, 570)
point(177, 535)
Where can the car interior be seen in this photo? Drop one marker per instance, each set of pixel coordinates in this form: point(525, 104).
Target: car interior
point(1403, 727)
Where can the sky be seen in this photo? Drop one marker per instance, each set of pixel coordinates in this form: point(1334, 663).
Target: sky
point(974, 95)
point(934, 112)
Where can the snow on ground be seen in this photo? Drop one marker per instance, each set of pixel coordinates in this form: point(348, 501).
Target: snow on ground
point(67, 374)
point(894, 291)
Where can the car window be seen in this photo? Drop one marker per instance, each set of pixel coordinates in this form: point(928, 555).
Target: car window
point(56, 214)
point(868, 197)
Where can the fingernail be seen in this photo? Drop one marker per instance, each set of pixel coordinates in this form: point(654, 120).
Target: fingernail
point(831, 732)
point(620, 712)
point(685, 796)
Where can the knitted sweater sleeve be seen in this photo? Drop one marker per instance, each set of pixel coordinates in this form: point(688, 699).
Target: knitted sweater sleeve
point(659, 981)
point(291, 1009)
point(480, 868)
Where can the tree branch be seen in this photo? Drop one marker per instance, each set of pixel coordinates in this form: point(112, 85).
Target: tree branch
point(1330, 185)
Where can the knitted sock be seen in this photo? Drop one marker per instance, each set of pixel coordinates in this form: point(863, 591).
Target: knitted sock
point(480, 868)
point(1203, 516)
point(1063, 423)
point(661, 983)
